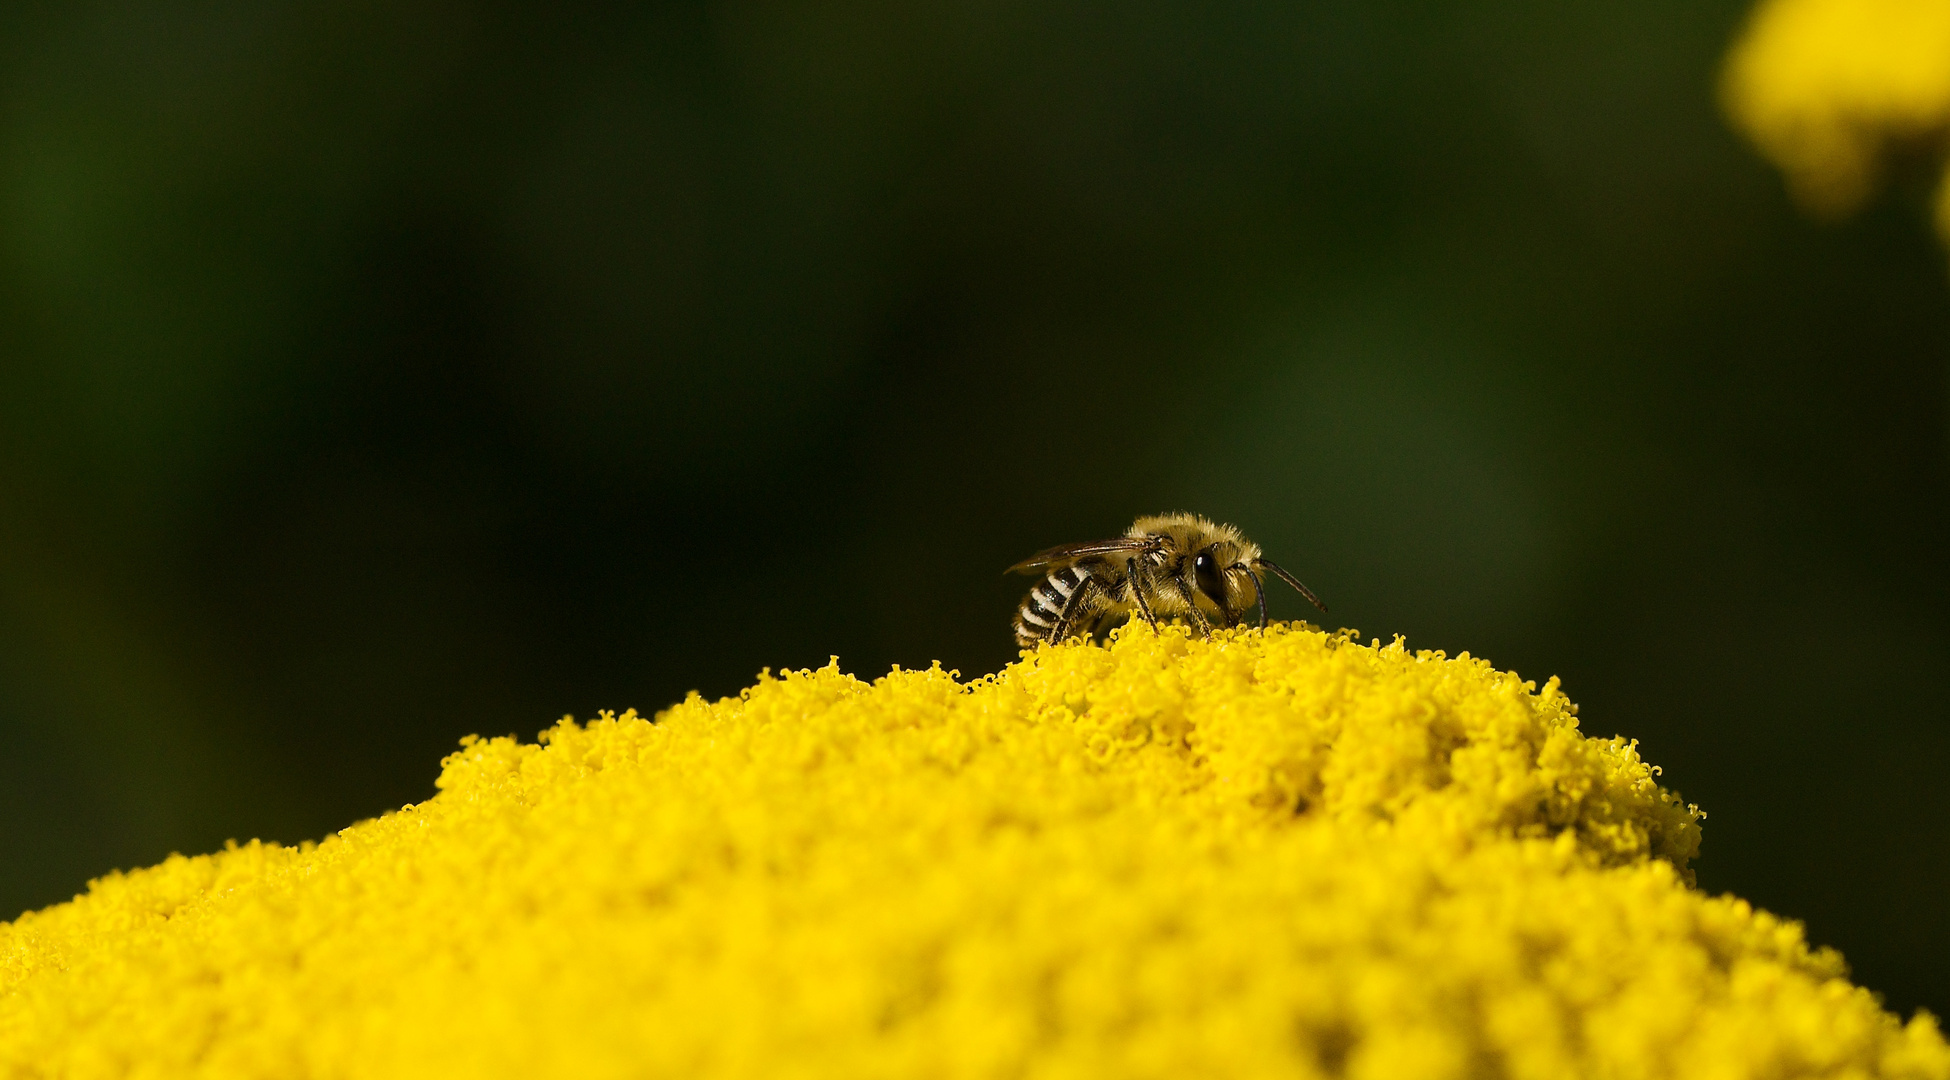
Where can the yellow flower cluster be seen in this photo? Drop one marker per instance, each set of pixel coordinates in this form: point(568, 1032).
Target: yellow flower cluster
point(1825, 87)
point(1266, 854)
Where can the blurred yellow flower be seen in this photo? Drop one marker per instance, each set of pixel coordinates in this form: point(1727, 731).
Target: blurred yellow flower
point(1826, 87)
point(1279, 854)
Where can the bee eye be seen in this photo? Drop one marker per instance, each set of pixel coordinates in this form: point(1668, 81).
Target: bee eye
point(1206, 569)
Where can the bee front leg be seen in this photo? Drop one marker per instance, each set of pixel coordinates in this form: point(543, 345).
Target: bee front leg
point(1131, 582)
point(1191, 604)
point(1259, 591)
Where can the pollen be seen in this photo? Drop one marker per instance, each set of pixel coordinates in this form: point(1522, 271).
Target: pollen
point(1279, 853)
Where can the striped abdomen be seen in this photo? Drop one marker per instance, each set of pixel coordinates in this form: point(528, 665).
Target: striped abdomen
point(1048, 613)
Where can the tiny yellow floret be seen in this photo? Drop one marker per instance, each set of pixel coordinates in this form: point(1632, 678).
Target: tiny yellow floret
point(1826, 87)
point(1263, 854)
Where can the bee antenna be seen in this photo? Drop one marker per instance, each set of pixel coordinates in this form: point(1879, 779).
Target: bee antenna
point(1275, 568)
point(1258, 590)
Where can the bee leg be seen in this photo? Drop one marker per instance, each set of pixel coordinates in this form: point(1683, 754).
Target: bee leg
point(1191, 604)
point(1137, 593)
point(1080, 610)
point(1230, 616)
point(1258, 590)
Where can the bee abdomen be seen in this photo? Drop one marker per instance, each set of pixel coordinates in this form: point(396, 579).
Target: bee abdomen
point(1047, 611)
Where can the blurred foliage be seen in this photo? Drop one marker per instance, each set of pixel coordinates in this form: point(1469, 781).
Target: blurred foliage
point(376, 374)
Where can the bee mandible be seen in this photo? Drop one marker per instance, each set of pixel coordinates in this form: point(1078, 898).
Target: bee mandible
point(1164, 565)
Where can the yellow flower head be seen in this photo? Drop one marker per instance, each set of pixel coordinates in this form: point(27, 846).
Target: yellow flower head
point(1823, 87)
point(1277, 853)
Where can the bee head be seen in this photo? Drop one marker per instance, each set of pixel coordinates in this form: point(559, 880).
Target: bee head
point(1209, 574)
point(1205, 557)
point(1219, 571)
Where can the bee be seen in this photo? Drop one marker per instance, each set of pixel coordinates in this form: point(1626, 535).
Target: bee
point(1163, 565)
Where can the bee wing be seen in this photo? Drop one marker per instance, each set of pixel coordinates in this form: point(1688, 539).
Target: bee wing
point(1069, 553)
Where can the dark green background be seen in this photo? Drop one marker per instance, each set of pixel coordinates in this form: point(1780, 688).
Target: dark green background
point(376, 373)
